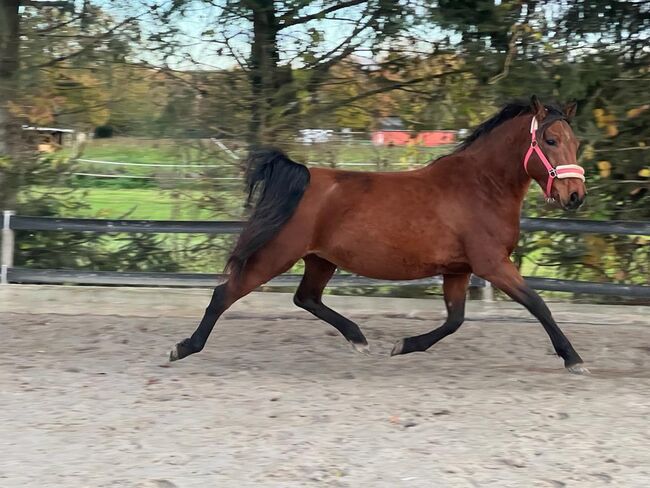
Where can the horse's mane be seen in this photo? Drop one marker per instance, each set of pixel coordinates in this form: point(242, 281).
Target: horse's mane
point(507, 112)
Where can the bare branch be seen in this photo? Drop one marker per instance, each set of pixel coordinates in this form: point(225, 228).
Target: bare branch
point(240, 62)
point(93, 43)
point(512, 50)
point(51, 28)
point(289, 18)
point(376, 91)
point(324, 66)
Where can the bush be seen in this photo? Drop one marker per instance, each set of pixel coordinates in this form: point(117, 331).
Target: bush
point(104, 131)
point(86, 182)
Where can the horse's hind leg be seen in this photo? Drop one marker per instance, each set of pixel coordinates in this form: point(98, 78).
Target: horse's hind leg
point(454, 288)
point(219, 303)
point(309, 295)
point(266, 264)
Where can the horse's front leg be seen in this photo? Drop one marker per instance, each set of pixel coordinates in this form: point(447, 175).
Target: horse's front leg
point(505, 276)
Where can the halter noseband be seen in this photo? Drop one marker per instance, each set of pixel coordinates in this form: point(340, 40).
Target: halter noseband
point(561, 171)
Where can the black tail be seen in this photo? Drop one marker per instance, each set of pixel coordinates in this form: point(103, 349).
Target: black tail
point(275, 186)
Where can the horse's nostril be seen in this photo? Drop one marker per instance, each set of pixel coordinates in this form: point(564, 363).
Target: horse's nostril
point(574, 201)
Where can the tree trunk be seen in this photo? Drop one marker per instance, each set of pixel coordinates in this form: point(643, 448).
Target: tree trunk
point(9, 126)
point(263, 74)
point(9, 39)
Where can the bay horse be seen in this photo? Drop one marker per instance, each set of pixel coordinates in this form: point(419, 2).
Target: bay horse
point(455, 216)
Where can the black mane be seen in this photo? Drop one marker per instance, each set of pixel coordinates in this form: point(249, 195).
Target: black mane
point(507, 112)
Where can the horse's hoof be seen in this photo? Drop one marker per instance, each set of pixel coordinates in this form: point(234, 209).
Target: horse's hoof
point(361, 347)
point(182, 350)
point(398, 348)
point(579, 368)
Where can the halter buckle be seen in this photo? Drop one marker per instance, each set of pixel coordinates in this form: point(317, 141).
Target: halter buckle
point(552, 172)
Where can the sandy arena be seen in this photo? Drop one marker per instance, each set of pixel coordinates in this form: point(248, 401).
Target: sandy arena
point(279, 399)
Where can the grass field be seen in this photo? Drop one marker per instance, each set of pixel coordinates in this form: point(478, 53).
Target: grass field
point(140, 150)
point(173, 192)
point(150, 152)
point(142, 203)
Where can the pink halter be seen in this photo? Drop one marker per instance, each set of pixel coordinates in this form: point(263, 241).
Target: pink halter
point(561, 171)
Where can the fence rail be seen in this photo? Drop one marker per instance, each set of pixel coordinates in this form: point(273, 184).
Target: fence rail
point(11, 274)
point(127, 226)
point(16, 222)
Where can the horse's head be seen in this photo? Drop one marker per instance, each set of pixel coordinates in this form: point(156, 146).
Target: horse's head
point(551, 159)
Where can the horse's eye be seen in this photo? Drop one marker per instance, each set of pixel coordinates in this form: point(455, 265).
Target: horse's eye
point(550, 142)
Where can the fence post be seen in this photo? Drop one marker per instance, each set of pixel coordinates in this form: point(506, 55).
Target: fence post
point(487, 292)
point(7, 259)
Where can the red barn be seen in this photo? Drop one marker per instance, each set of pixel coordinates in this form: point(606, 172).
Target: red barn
point(432, 138)
point(391, 137)
point(391, 132)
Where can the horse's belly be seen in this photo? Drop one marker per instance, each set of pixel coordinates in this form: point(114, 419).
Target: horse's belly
point(380, 261)
point(411, 272)
point(389, 234)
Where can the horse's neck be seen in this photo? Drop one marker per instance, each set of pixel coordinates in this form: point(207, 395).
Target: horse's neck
point(496, 163)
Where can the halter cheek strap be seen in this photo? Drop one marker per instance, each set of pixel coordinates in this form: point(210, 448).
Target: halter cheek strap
point(561, 171)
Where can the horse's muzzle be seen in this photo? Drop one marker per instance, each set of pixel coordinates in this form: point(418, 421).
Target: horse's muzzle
point(574, 202)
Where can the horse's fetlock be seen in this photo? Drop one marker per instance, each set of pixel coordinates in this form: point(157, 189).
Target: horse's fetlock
point(194, 344)
point(306, 303)
point(455, 323)
point(298, 301)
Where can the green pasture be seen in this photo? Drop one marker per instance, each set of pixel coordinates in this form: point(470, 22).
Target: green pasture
point(139, 150)
point(143, 204)
point(174, 193)
point(188, 151)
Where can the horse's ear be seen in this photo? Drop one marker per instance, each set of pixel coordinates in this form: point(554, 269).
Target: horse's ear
point(537, 108)
point(570, 110)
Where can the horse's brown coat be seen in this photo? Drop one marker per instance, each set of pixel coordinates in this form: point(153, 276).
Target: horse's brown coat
point(458, 215)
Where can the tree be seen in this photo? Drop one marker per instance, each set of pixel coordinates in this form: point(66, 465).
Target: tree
point(9, 62)
point(272, 41)
point(49, 55)
point(55, 63)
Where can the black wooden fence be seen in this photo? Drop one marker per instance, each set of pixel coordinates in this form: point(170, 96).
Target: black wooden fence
point(11, 274)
